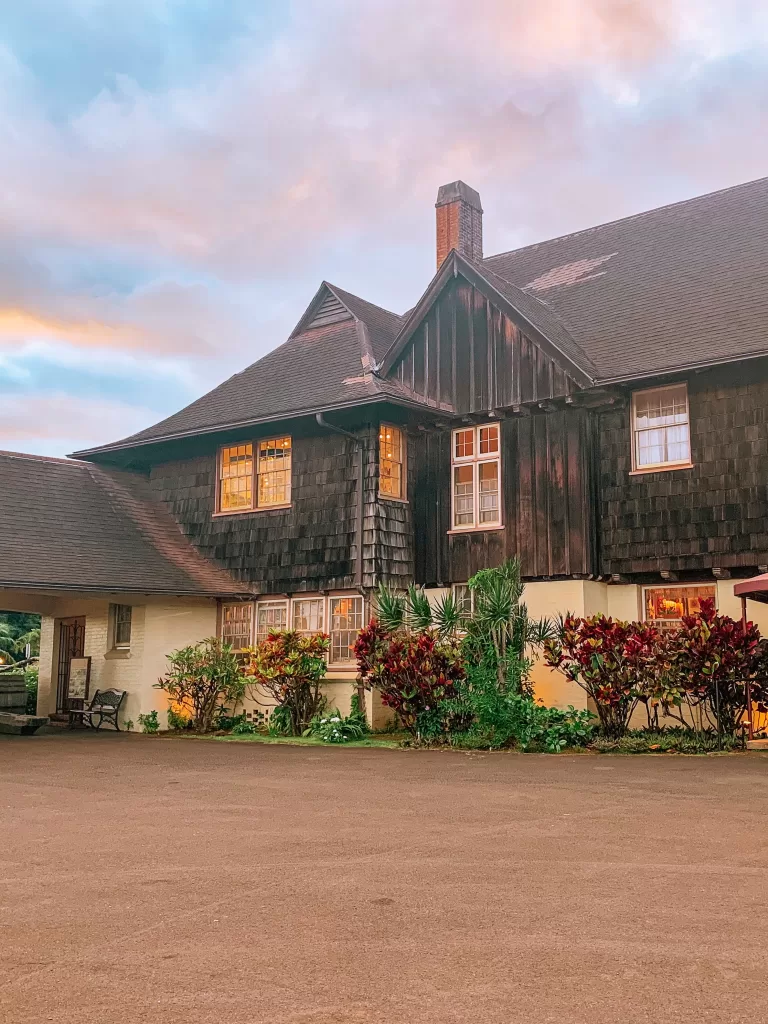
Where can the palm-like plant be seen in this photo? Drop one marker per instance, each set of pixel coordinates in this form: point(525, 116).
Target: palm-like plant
point(498, 628)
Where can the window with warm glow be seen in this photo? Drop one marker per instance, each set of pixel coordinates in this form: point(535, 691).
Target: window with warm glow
point(391, 461)
point(476, 477)
point(236, 625)
point(251, 481)
point(346, 618)
point(271, 617)
point(661, 433)
point(665, 606)
point(274, 472)
point(308, 614)
point(236, 478)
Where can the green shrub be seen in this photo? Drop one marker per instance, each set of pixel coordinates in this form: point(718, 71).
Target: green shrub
point(178, 722)
point(149, 723)
point(332, 727)
point(676, 740)
point(289, 667)
point(202, 678)
point(30, 678)
point(280, 721)
point(242, 727)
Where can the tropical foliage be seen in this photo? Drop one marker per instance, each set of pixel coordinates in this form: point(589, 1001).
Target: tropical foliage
point(17, 630)
point(288, 667)
point(202, 679)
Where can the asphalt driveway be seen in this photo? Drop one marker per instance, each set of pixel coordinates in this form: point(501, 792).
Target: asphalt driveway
point(184, 881)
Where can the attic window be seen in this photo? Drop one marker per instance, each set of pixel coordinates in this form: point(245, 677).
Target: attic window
point(661, 431)
point(248, 483)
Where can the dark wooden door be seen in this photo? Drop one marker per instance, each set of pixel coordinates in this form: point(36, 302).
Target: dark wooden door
point(71, 645)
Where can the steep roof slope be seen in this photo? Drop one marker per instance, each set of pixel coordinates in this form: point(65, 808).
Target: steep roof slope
point(75, 526)
point(681, 285)
point(326, 363)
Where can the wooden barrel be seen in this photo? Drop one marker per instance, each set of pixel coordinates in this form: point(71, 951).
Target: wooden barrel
point(13, 693)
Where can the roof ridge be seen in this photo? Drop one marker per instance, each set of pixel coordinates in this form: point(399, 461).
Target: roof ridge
point(30, 457)
point(628, 217)
point(359, 298)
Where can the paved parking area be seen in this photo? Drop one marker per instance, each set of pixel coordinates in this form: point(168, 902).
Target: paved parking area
point(181, 881)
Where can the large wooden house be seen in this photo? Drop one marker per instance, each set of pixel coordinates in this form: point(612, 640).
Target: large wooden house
point(596, 405)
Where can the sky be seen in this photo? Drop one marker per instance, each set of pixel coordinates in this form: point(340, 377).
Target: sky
point(178, 176)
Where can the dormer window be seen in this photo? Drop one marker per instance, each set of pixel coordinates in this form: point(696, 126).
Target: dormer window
point(253, 480)
point(661, 430)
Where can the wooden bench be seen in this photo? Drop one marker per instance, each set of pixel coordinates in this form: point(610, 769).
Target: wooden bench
point(104, 707)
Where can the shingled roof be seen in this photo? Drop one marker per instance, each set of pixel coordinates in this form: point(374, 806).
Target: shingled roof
point(75, 526)
point(683, 285)
point(326, 363)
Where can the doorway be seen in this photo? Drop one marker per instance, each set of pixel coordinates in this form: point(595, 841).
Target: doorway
point(71, 645)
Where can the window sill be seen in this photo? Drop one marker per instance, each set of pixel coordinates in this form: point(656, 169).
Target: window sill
point(458, 532)
point(251, 511)
point(389, 497)
point(118, 654)
point(661, 469)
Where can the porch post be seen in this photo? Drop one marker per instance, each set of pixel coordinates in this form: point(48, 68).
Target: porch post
point(750, 722)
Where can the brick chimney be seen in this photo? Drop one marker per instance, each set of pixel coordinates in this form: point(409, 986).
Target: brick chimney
point(459, 221)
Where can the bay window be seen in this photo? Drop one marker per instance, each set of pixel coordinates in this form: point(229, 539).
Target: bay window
point(476, 477)
point(346, 618)
point(236, 625)
point(271, 617)
point(308, 615)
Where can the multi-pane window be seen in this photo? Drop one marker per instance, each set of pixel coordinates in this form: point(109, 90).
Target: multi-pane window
point(391, 461)
point(661, 434)
point(476, 477)
point(665, 606)
point(236, 478)
point(308, 614)
point(121, 625)
point(248, 482)
point(346, 617)
point(236, 625)
point(274, 472)
point(464, 599)
point(271, 617)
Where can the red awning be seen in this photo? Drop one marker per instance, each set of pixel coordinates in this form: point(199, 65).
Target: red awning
point(756, 588)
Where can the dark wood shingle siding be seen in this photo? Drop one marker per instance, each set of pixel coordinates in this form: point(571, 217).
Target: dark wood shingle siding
point(468, 355)
point(313, 545)
point(548, 503)
point(692, 520)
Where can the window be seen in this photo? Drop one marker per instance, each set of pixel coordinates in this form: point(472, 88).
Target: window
point(246, 485)
point(665, 606)
point(121, 625)
point(308, 614)
point(236, 478)
point(661, 434)
point(271, 616)
point(476, 477)
point(391, 461)
point(236, 625)
point(346, 615)
point(274, 472)
point(464, 598)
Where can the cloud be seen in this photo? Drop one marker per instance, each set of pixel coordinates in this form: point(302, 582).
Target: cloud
point(59, 423)
point(181, 202)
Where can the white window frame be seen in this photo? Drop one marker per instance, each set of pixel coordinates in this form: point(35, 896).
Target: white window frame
point(476, 460)
point(315, 599)
point(456, 587)
point(270, 603)
point(635, 431)
point(114, 610)
point(344, 662)
point(403, 462)
point(255, 474)
point(661, 623)
point(249, 619)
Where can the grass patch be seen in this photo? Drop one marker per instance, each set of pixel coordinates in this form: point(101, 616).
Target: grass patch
point(307, 741)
